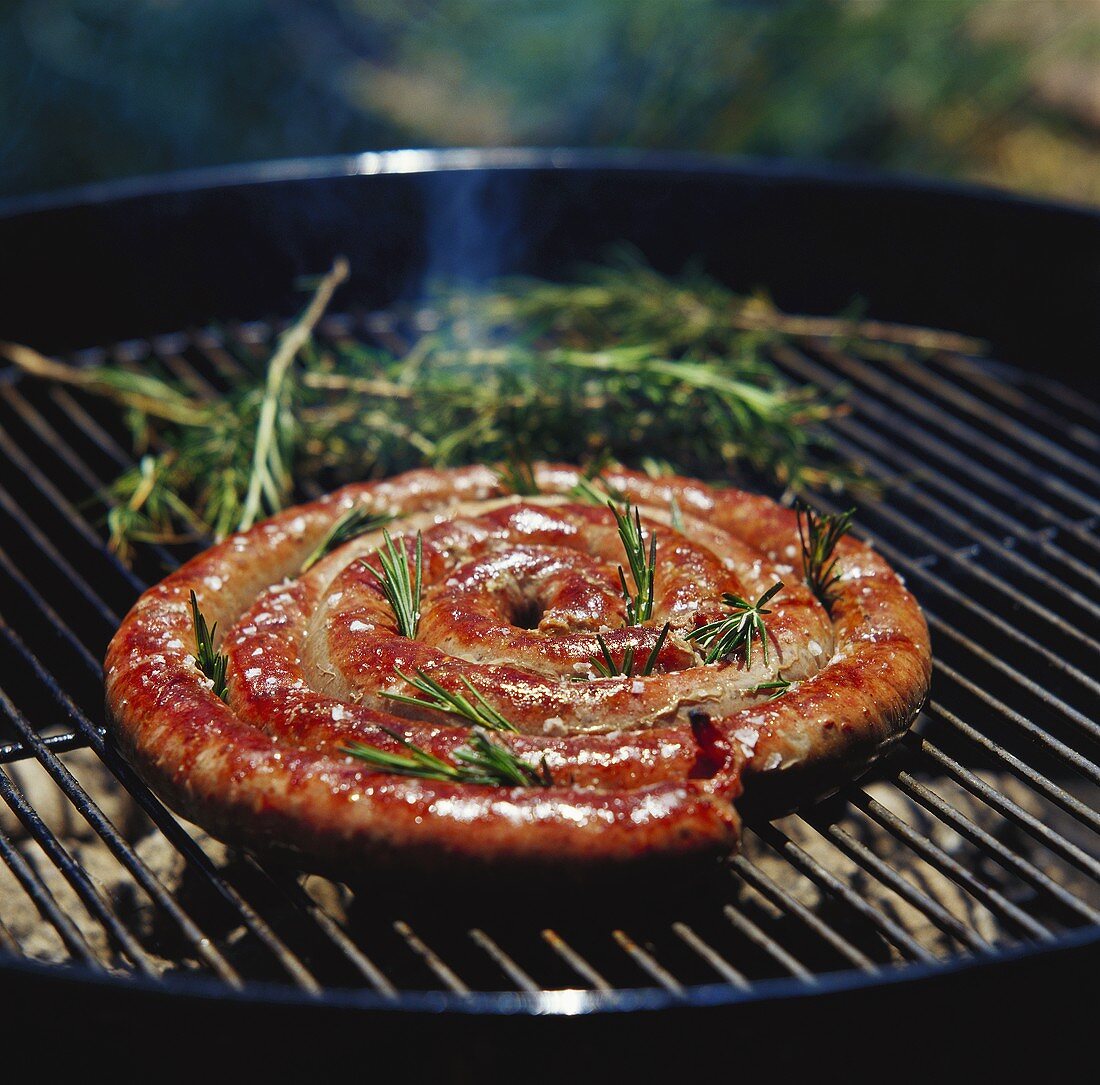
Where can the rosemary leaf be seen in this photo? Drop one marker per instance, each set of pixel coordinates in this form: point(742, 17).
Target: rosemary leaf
point(639, 602)
point(517, 476)
point(777, 687)
point(608, 668)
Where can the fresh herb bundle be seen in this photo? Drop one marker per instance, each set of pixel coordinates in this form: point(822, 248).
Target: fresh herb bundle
point(626, 361)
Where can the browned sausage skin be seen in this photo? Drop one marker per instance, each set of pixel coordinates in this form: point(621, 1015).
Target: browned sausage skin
point(516, 590)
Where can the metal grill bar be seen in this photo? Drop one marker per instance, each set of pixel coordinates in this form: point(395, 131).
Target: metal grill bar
point(947, 392)
point(984, 462)
point(922, 407)
point(875, 866)
point(1011, 810)
point(44, 901)
point(88, 809)
point(782, 899)
point(167, 823)
point(880, 409)
point(716, 961)
point(758, 937)
point(75, 875)
point(992, 846)
point(937, 857)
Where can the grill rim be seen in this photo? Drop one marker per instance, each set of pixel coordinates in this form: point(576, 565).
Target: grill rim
point(426, 160)
point(566, 1002)
point(503, 1003)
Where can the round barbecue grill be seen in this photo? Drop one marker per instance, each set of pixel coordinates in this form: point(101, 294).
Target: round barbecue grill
point(954, 888)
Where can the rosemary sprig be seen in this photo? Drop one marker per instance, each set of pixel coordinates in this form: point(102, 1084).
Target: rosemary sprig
point(482, 762)
point(639, 602)
point(720, 639)
point(819, 533)
point(400, 584)
point(517, 476)
point(675, 516)
point(482, 714)
point(608, 668)
point(593, 487)
point(211, 662)
point(355, 522)
point(777, 687)
point(596, 490)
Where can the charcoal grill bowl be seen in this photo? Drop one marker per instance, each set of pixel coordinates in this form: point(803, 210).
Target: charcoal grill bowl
point(115, 261)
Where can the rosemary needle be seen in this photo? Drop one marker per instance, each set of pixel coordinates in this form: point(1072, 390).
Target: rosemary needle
point(608, 668)
point(777, 687)
point(639, 602)
point(517, 476)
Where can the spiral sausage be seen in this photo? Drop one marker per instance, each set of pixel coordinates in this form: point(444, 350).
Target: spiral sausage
point(516, 592)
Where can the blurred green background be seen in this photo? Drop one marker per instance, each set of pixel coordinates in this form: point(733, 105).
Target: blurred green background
point(1004, 91)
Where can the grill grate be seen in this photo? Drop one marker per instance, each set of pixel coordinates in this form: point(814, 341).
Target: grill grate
point(976, 835)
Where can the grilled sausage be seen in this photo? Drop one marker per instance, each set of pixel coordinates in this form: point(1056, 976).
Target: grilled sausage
point(516, 592)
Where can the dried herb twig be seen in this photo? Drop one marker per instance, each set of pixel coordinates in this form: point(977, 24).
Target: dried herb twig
point(270, 479)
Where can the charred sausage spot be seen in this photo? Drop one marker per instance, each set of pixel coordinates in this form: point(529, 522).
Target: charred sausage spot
point(714, 753)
